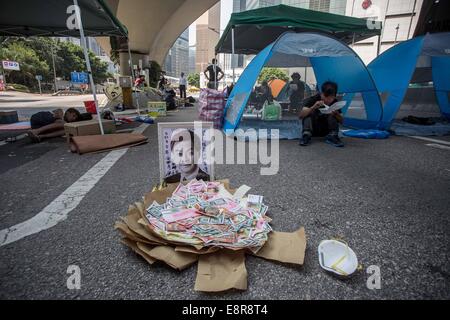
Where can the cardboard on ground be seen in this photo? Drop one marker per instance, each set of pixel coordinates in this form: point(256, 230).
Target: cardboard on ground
point(88, 128)
point(156, 108)
point(218, 269)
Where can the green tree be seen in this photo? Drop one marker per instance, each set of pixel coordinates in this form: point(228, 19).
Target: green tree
point(30, 64)
point(194, 79)
point(268, 74)
point(72, 59)
point(154, 74)
point(68, 57)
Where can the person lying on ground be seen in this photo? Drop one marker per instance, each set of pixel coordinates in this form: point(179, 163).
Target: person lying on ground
point(73, 115)
point(46, 125)
point(316, 124)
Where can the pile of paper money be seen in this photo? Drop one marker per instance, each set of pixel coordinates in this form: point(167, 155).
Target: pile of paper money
point(210, 224)
point(205, 213)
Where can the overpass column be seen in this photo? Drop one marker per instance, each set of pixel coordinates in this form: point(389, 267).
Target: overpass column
point(124, 57)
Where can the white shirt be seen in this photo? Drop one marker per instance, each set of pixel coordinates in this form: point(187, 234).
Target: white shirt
point(183, 81)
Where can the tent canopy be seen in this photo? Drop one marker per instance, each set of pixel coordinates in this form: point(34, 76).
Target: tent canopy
point(49, 18)
point(421, 59)
point(330, 59)
point(256, 29)
point(276, 85)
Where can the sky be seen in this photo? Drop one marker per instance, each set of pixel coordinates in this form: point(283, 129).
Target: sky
point(226, 8)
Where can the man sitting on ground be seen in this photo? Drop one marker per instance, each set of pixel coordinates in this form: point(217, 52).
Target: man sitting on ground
point(316, 124)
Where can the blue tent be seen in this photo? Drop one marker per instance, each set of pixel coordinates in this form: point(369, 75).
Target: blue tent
point(419, 60)
point(331, 60)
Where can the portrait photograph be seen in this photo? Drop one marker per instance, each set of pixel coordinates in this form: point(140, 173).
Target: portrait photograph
point(184, 151)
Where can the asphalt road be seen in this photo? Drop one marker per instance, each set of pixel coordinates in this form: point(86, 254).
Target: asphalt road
point(26, 104)
point(388, 199)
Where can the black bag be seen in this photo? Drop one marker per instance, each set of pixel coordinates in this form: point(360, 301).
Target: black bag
point(419, 120)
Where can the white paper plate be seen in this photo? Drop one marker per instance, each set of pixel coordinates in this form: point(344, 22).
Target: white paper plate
point(337, 257)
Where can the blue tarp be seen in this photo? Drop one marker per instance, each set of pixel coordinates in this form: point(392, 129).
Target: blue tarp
point(366, 134)
point(402, 128)
point(330, 59)
point(287, 129)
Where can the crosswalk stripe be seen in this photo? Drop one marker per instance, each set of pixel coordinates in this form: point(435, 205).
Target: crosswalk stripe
point(58, 210)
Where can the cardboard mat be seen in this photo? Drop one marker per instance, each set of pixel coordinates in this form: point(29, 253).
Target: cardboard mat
point(107, 142)
point(218, 269)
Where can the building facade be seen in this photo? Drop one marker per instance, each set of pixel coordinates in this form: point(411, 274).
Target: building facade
point(399, 20)
point(191, 60)
point(207, 36)
point(177, 59)
point(239, 5)
point(331, 6)
point(398, 17)
point(255, 4)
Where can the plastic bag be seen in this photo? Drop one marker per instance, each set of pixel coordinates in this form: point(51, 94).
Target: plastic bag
point(272, 111)
point(211, 107)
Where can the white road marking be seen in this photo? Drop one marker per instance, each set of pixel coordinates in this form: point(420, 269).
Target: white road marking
point(141, 128)
point(59, 209)
point(431, 140)
point(439, 146)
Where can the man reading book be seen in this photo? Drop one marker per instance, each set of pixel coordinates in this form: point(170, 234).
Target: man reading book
point(316, 124)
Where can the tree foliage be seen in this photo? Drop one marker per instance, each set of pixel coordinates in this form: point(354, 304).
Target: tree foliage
point(154, 74)
point(194, 79)
point(268, 74)
point(34, 55)
point(30, 64)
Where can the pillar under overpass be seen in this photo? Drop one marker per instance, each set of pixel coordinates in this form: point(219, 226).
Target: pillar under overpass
point(153, 27)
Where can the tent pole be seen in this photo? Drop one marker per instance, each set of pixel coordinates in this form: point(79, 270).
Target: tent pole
point(306, 73)
point(132, 76)
point(233, 62)
point(379, 45)
point(88, 63)
point(54, 69)
point(215, 72)
point(412, 17)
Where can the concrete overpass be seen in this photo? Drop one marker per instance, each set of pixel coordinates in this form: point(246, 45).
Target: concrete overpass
point(153, 26)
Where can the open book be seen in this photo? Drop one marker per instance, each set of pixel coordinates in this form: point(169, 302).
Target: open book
point(335, 107)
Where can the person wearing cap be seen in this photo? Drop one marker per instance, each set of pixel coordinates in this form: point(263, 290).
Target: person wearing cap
point(297, 91)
